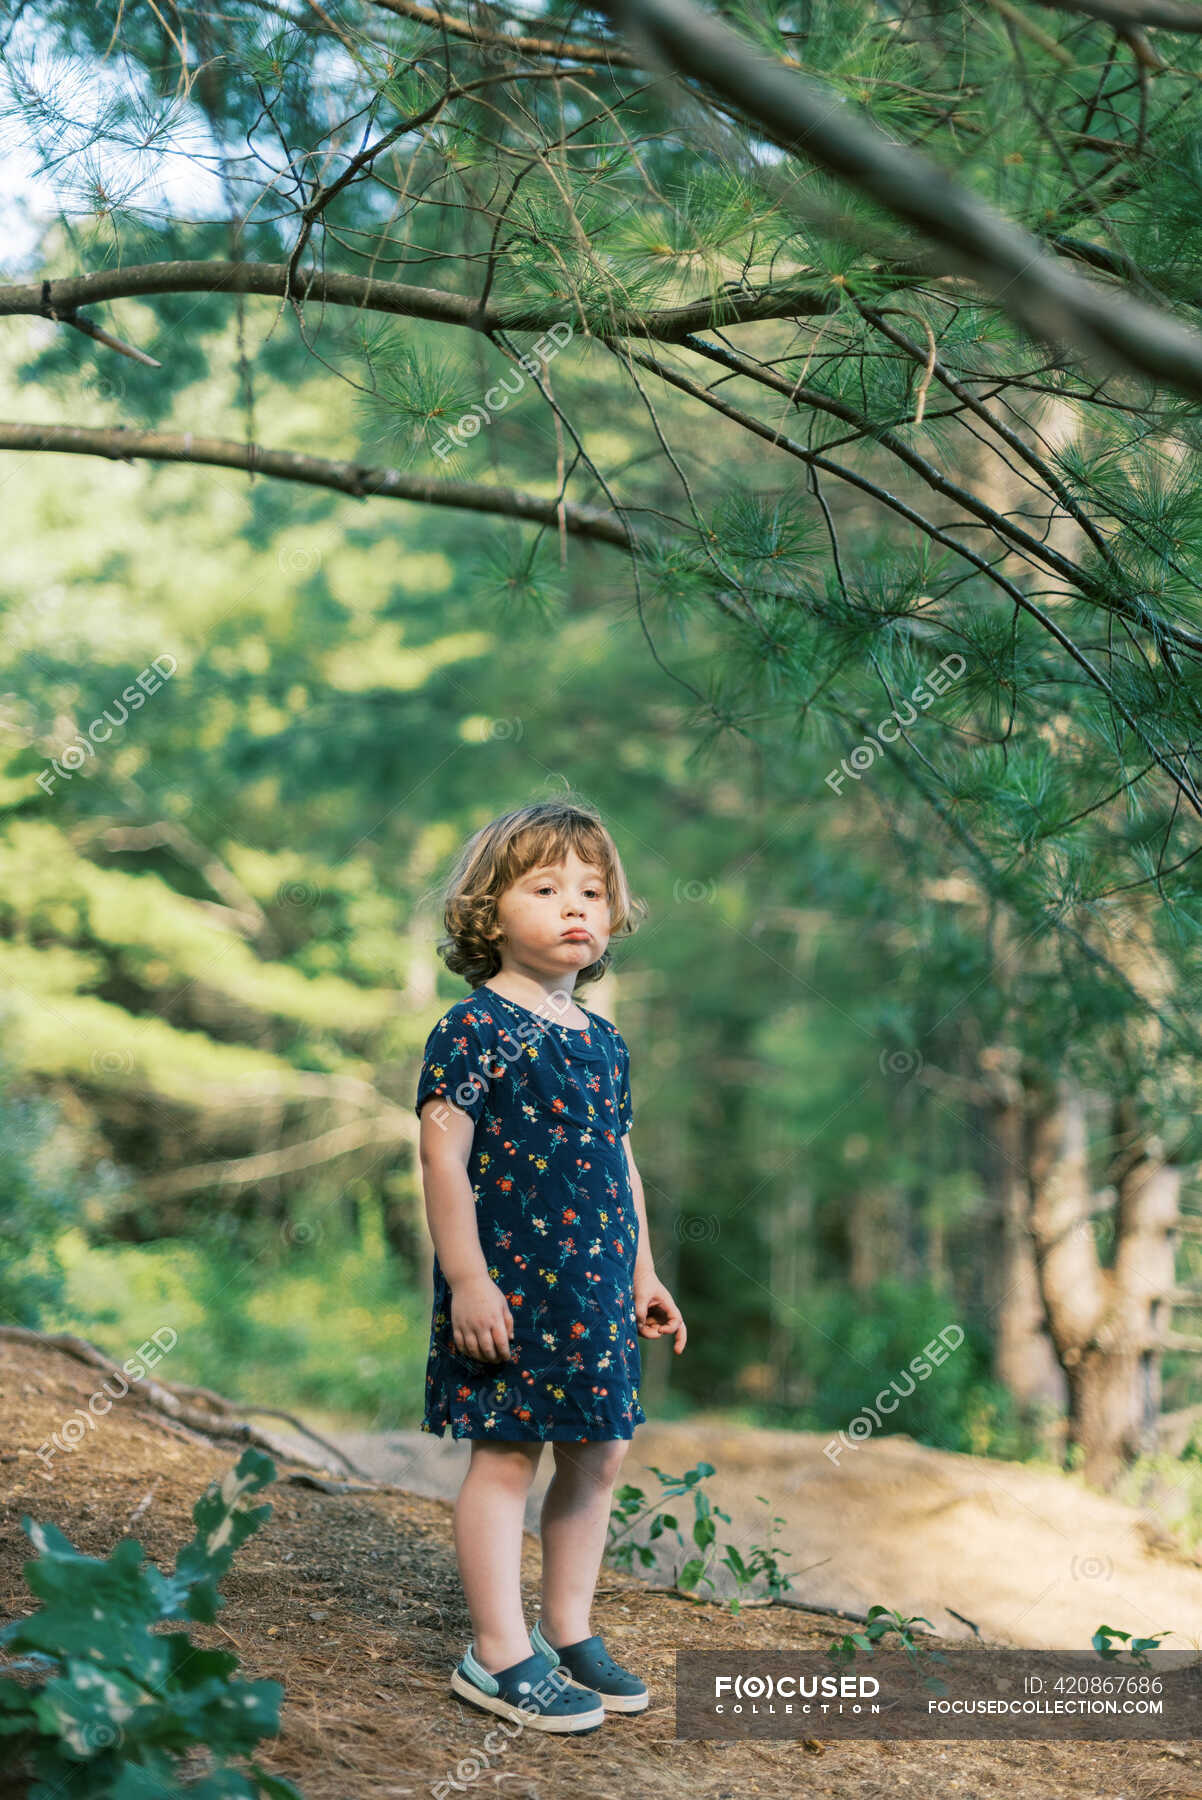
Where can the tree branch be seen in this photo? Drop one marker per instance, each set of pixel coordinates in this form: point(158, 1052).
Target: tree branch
point(121, 445)
point(138, 280)
point(815, 460)
point(390, 1129)
point(1130, 15)
point(608, 55)
point(1052, 302)
point(1004, 528)
point(214, 1417)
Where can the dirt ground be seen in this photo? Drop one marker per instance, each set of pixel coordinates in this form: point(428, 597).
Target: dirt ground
point(352, 1601)
point(1032, 1557)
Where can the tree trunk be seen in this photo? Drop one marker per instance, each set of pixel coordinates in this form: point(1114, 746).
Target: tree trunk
point(875, 1239)
point(1149, 1209)
point(1105, 1323)
point(790, 1232)
point(1024, 1355)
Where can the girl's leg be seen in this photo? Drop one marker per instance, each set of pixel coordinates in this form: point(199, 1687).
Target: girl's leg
point(489, 1512)
point(575, 1519)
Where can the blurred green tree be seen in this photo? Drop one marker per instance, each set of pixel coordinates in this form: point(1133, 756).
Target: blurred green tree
point(901, 559)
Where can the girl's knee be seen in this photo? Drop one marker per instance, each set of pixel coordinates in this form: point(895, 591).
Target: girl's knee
point(513, 1464)
point(596, 1462)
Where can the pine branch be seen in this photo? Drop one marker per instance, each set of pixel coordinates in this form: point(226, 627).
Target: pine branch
point(1050, 301)
point(816, 460)
point(1010, 437)
point(325, 196)
point(606, 55)
point(668, 325)
point(119, 444)
point(998, 523)
point(1145, 1006)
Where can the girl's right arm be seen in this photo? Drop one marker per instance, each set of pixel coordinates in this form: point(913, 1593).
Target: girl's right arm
point(480, 1317)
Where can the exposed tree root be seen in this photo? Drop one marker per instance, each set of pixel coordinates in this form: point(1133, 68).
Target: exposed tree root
point(192, 1410)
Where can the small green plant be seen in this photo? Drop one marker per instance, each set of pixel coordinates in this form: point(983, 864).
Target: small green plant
point(1137, 1647)
point(117, 1705)
point(632, 1507)
point(762, 1560)
point(879, 1622)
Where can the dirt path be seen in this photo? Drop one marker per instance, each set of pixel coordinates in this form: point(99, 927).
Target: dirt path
point(352, 1602)
point(1032, 1558)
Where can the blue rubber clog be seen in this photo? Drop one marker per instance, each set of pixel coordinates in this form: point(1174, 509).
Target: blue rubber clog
point(534, 1691)
point(589, 1662)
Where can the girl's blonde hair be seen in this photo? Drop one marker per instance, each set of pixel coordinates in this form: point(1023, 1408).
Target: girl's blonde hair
point(499, 854)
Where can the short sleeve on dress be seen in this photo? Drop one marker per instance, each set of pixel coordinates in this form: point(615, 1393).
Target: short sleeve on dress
point(625, 1114)
point(458, 1063)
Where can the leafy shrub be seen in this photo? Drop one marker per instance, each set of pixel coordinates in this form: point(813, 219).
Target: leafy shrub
point(118, 1706)
point(851, 1347)
point(314, 1317)
point(38, 1196)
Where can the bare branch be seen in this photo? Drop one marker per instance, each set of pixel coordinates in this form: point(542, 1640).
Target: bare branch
point(107, 339)
point(215, 1417)
point(392, 1129)
point(1129, 15)
point(137, 280)
point(121, 445)
point(608, 55)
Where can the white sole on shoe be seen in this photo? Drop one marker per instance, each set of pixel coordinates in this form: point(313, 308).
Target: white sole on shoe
point(628, 1703)
point(581, 1721)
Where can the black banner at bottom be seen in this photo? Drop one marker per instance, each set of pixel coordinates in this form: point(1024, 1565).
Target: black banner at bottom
point(961, 1691)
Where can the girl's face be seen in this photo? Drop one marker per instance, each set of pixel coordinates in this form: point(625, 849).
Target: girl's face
point(556, 917)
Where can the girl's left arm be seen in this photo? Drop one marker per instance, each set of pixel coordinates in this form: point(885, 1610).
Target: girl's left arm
point(655, 1310)
point(644, 1262)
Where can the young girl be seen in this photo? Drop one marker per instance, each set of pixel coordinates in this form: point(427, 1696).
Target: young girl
point(543, 1273)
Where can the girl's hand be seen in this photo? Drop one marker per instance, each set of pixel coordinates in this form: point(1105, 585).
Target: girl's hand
point(481, 1320)
point(656, 1312)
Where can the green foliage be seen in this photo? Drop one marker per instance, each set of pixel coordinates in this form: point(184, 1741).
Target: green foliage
point(40, 1192)
point(115, 1707)
point(881, 1622)
point(1168, 1487)
point(852, 1348)
point(312, 1316)
point(632, 1510)
point(1104, 1642)
point(356, 691)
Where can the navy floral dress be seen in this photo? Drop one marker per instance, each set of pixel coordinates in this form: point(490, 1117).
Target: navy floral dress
point(557, 1224)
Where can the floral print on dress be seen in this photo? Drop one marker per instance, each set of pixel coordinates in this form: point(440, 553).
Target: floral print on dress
point(556, 1219)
